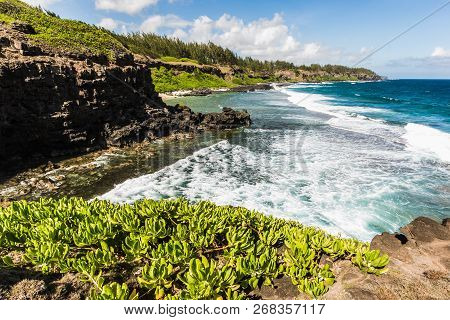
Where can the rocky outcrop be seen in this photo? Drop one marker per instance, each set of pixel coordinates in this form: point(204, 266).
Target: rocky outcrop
point(53, 104)
point(419, 266)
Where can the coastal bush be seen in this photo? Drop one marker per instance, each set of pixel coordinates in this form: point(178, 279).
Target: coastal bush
point(172, 249)
point(173, 59)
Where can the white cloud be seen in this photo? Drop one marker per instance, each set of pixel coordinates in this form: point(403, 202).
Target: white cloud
point(264, 38)
point(170, 21)
point(108, 23)
point(440, 52)
point(126, 6)
point(42, 3)
point(117, 25)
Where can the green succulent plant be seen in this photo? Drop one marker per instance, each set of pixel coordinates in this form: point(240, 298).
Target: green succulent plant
point(135, 246)
point(204, 280)
point(157, 277)
point(46, 255)
point(6, 261)
point(114, 291)
point(173, 249)
point(259, 270)
point(371, 261)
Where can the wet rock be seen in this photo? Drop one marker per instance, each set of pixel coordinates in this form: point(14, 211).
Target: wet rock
point(228, 119)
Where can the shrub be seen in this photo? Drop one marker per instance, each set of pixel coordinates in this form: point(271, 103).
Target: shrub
point(174, 249)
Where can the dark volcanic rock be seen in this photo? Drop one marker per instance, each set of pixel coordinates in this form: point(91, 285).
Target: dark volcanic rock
point(253, 87)
point(23, 27)
point(62, 105)
point(228, 119)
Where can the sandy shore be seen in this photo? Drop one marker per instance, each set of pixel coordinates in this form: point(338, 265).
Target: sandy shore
point(204, 92)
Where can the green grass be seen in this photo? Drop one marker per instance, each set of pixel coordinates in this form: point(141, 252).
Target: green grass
point(6, 18)
point(168, 80)
point(63, 34)
point(173, 59)
point(172, 249)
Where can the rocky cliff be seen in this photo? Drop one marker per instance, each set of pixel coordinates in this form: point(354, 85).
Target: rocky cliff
point(53, 103)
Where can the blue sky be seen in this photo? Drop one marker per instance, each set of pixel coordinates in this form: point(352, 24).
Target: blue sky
point(301, 31)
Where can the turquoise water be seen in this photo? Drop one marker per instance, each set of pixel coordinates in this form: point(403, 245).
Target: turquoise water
point(354, 158)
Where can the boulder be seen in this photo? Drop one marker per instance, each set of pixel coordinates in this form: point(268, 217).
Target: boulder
point(23, 27)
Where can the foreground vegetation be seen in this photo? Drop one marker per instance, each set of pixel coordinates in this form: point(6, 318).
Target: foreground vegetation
point(172, 249)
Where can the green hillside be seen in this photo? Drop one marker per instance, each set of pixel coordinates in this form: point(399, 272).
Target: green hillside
point(62, 34)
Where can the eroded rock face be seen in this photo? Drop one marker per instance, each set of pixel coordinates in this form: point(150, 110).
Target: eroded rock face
point(55, 104)
point(419, 266)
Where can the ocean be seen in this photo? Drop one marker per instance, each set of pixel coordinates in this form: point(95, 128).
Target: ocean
point(354, 158)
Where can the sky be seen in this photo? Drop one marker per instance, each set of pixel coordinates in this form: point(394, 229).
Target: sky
point(299, 31)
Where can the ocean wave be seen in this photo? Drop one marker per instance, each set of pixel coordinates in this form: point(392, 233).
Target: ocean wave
point(233, 175)
point(345, 117)
point(429, 141)
point(418, 138)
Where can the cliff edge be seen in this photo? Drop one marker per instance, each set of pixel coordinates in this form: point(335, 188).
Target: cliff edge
point(57, 103)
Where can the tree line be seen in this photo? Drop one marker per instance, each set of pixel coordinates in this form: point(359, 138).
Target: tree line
point(157, 46)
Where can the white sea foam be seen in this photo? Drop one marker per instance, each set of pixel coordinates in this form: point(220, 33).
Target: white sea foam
point(419, 138)
point(427, 140)
point(345, 117)
point(303, 176)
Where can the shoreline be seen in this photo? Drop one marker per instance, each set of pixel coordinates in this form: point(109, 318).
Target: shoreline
point(208, 91)
point(241, 88)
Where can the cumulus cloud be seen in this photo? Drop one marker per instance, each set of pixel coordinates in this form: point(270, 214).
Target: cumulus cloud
point(126, 6)
point(108, 23)
point(440, 52)
point(42, 3)
point(171, 21)
point(262, 38)
point(117, 25)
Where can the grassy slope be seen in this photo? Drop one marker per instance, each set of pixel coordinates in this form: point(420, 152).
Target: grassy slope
point(172, 249)
point(168, 80)
point(62, 34)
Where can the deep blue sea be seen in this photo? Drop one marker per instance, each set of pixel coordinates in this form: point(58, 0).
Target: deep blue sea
point(355, 158)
